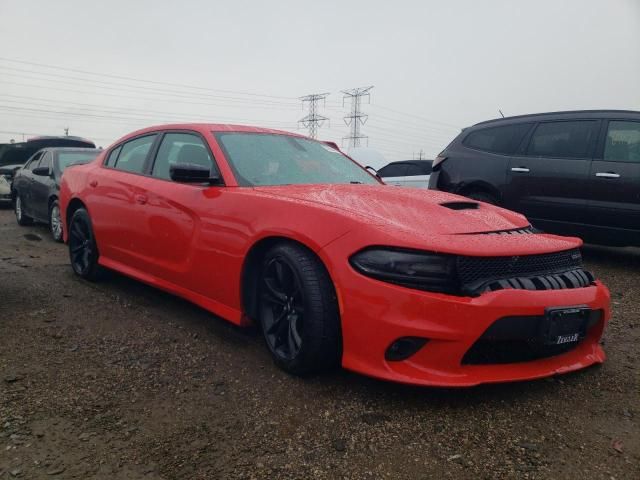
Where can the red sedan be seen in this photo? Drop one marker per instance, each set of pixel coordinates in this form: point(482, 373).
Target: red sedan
point(267, 227)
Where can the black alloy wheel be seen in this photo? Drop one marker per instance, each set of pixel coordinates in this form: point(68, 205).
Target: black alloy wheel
point(282, 308)
point(83, 251)
point(298, 310)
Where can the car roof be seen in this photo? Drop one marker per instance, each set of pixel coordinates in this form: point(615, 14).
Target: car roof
point(71, 149)
point(564, 115)
point(40, 138)
point(212, 127)
point(413, 162)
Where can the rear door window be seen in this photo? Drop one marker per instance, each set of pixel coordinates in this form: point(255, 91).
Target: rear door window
point(393, 170)
point(623, 142)
point(504, 139)
point(568, 139)
point(415, 170)
point(134, 153)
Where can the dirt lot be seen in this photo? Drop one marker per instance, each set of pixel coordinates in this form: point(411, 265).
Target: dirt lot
point(119, 381)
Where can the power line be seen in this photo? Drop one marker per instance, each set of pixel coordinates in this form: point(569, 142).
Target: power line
point(356, 118)
point(163, 98)
point(313, 120)
point(121, 77)
point(106, 85)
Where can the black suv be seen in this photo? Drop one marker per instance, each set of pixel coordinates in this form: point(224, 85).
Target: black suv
point(572, 173)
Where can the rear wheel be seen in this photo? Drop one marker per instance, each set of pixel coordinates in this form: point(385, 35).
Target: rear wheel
point(482, 197)
point(83, 251)
point(55, 222)
point(298, 310)
point(21, 217)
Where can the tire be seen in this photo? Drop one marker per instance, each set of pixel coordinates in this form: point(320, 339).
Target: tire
point(482, 197)
point(83, 251)
point(298, 310)
point(55, 222)
point(18, 209)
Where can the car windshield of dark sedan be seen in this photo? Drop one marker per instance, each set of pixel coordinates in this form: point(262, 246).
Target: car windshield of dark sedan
point(70, 158)
point(259, 159)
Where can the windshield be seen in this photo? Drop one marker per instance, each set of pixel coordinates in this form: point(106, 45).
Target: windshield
point(259, 159)
point(69, 158)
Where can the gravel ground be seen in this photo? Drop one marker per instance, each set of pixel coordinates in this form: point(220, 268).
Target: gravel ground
point(119, 381)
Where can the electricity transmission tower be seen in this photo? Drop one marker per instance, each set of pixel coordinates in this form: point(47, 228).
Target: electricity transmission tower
point(356, 118)
point(313, 120)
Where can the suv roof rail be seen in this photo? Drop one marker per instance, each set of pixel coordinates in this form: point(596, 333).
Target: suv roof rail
point(563, 112)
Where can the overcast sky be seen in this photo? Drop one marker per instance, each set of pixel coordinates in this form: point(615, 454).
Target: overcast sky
point(436, 66)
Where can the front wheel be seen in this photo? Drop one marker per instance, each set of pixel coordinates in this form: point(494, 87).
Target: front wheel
point(298, 310)
point(83, 251)
point(55, 222)
point(18, 208)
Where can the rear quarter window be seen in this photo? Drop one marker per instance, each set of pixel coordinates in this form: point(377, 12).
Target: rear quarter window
point(503, 139)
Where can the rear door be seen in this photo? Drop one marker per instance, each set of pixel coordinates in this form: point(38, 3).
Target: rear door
point(417, 175)
point(614, 180)
point(118, 201)
point(394, 173)
point(548, 178)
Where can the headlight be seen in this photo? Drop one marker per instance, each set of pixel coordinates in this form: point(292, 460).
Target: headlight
point(411, 268)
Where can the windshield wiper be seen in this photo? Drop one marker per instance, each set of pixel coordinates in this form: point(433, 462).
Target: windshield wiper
point(355, 182)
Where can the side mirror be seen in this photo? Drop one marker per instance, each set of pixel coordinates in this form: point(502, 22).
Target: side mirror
point(192, 173)
point(373, 170)
point(41, 171)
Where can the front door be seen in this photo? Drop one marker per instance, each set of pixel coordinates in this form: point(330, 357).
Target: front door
point(615, 178)
point(41, 185)
point(174, 228)
point(547, 181)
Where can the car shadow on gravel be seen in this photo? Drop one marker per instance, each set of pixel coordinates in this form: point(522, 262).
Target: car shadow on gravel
point(199, 323)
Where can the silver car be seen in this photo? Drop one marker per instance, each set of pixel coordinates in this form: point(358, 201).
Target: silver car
point(407, 173)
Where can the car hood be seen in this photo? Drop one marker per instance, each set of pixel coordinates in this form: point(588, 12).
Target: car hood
point(405, 209)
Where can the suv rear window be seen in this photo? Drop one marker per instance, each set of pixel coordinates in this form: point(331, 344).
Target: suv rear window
point(505, 139)
point(572, 139)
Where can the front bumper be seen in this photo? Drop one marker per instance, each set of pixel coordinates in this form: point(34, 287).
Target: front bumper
point(375, 314)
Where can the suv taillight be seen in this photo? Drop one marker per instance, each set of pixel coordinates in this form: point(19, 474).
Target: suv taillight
point(438, 160)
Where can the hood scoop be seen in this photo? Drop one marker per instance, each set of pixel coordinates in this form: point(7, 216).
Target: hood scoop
point(512, 231)
point(461, 205)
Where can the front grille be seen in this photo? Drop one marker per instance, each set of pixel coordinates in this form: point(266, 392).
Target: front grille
point(548, 271)
point(518, 339)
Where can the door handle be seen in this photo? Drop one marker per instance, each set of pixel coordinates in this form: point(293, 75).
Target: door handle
point(93, 183)
point(608, 175)
point(141, 199)
point(520, 169)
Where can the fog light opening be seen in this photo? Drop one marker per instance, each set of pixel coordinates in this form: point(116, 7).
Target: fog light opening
point(404, 347)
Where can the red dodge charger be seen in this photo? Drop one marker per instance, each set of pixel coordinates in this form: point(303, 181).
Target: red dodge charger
point(268, 227)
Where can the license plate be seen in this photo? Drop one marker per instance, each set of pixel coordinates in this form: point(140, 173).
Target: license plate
point(564, 326)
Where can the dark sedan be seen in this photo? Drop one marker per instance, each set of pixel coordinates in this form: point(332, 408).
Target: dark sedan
point(35, 186)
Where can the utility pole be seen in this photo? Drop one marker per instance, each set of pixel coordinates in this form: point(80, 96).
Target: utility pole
point(313, 120)
point(419, 155)
point(356, 118)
